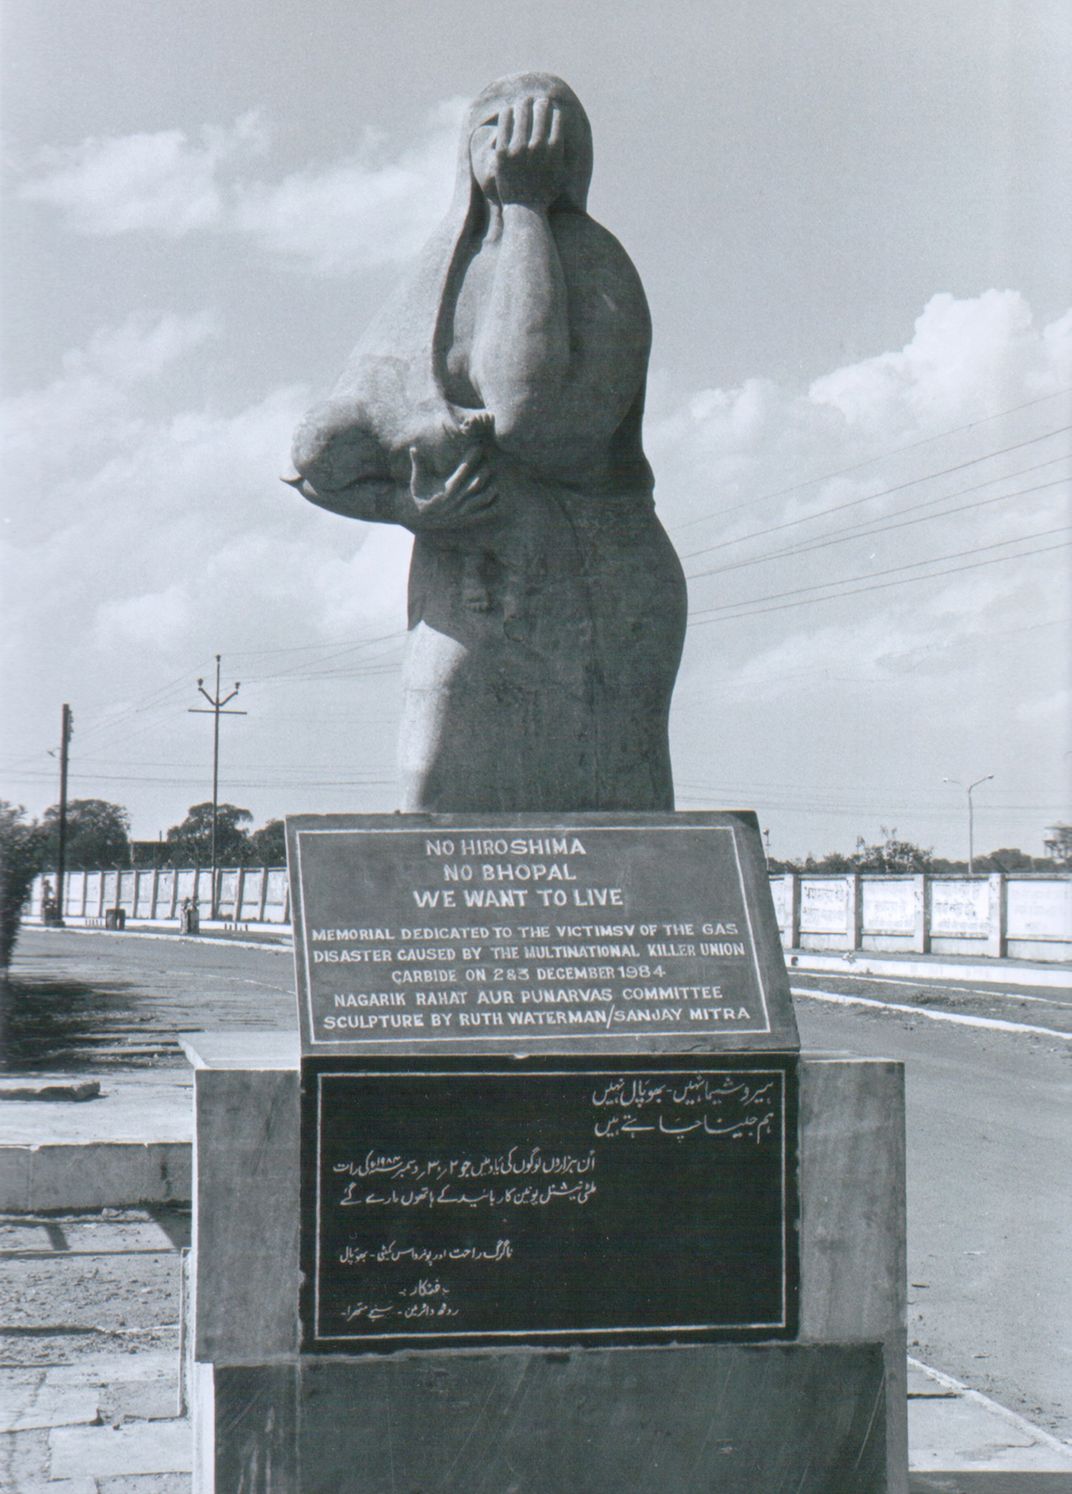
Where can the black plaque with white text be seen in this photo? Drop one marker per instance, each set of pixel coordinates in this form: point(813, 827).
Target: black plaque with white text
point(468, 1202)
point(583, 933)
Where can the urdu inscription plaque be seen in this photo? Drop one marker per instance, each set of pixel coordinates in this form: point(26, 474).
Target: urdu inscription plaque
point(479, 1203)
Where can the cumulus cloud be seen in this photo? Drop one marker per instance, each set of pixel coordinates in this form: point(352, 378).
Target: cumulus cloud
point(162, 183)
point(164, 528)
point(875, 584)
point(374, 206)
point(169, 529)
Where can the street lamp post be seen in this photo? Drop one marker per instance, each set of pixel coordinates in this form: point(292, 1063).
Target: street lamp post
point(971, 816)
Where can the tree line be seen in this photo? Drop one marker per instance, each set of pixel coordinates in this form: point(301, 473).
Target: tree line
point(98, 837)
point(895, 856)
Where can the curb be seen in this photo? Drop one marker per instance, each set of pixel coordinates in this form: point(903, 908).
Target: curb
point(94, 1175)
point(927, 967)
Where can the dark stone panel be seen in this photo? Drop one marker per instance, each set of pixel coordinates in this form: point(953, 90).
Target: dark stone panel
point(257, 1430)
point(729, 1418)
point(395, 920)
point(555, 1202)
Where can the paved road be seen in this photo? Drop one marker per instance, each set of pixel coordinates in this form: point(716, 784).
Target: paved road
point(989, 1125)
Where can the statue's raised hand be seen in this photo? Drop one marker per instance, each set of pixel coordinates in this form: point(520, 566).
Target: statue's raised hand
point(464, 496)
point(529, 153)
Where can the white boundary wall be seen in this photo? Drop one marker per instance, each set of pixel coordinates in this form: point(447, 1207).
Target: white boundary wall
point(1027, 917)
point(246, 894)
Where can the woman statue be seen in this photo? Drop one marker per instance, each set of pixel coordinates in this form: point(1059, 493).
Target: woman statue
point(494, 408)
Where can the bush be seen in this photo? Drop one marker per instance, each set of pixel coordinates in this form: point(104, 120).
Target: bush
point(22, 854)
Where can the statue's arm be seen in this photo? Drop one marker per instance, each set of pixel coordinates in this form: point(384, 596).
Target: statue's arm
point(341, 466)
point(562, 343)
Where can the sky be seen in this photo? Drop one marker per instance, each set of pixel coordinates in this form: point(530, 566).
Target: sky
point(852, 221)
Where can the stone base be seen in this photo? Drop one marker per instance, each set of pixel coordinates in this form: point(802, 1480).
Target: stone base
point(742, 1420)
point(825, 1414)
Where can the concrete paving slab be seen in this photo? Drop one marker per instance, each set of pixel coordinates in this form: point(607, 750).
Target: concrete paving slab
point(15, 1178)
point(25, 1091)
point(26, 1407)
point(958, 1435)
point(23, 1460)
point(65, 1486)
point(115, 1452)
point(152, 1483)
point(107, 1369)
point(139, 1108)
point(988, 1483)
point(149, 1400)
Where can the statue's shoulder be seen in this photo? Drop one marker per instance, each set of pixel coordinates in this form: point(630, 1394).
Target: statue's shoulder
point(594, 259)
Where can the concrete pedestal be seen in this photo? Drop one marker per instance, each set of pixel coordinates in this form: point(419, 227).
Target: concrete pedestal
point(824, 1414)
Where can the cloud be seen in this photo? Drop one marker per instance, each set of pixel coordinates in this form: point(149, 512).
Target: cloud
point(169, 529)
point(160, 183)
point(152, 532)
point(372, 207)
point(91, 413)
point(147, 620)
point(865, 594)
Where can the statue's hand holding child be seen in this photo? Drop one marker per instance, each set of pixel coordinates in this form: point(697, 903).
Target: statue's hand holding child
point(448, 493)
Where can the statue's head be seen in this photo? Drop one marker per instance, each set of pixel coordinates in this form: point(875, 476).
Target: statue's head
point(481, 121)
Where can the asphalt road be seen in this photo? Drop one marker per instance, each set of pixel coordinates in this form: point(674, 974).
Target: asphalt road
point(989, 1123)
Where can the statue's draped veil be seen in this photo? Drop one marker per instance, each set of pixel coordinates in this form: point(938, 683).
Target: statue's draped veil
point(396, 371)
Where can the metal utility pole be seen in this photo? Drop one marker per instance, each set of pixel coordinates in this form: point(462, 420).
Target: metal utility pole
point(66, 730)
point(217, 703)
point(971, 816)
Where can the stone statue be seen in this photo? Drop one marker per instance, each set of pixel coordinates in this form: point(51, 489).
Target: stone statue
point(494, 408)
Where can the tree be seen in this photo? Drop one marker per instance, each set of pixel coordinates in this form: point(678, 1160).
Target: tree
point(190, 844)
point(1009, 859)
point(22, 855)
point(98, 834)
point(268, 845)
point(833, 861)
point(890, 855)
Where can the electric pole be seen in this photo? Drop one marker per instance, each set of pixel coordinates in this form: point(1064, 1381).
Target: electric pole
point(66, 729)
point(216, 703)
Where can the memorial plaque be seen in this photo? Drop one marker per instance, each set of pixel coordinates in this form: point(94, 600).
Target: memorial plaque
point(474, 1202)
point(582, 933)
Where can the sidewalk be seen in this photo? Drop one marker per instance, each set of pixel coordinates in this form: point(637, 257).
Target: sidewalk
point(78, 1415)
point(112, 1424)
point(1005, 972)
point(127, 1142)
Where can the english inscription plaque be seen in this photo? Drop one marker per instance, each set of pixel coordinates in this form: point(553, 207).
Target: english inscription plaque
point(476, 1202)
point(585, 930)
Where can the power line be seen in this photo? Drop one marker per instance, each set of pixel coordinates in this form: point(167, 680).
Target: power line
point(834, 508)
point(701, 620)
point(867, 462)
point(796, 591)
point(854, 532)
